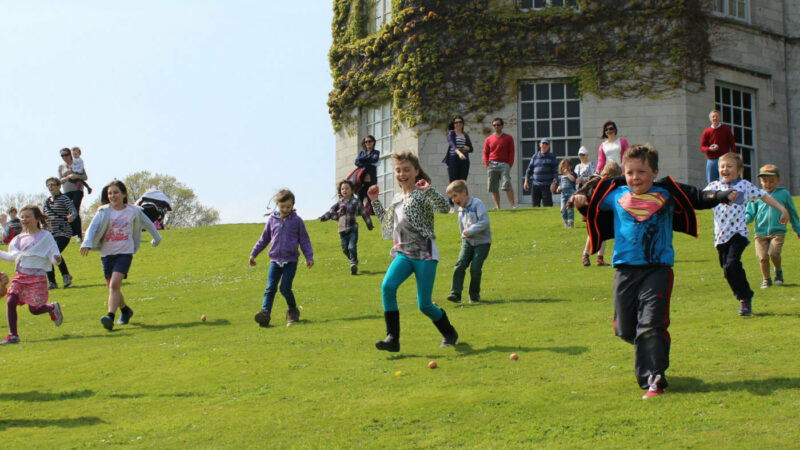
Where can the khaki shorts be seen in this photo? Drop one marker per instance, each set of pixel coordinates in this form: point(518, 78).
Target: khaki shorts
point(499, 176)
point(767, 246)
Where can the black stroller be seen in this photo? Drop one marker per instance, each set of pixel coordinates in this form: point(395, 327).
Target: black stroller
point(155, 206)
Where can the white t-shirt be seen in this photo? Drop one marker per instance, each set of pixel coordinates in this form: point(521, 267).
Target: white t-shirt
point(613, 151)
point(119, 238)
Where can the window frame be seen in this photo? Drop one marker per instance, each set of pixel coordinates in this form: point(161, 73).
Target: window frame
point(722, 8)
point(728, 111)
point(380, 117)
point(380, 13)
point(530, 5)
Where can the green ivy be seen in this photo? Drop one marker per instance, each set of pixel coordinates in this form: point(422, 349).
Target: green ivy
point(437, 58)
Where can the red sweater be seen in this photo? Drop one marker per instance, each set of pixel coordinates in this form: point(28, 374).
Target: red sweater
point(722, 136)
point(498, 148)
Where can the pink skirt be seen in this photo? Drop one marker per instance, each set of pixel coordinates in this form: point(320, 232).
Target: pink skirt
point(31, 289)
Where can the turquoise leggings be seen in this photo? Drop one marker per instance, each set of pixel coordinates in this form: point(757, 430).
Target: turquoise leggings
point(401, 268)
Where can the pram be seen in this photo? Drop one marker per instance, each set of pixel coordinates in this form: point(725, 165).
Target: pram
point(357, 177)
point(155, 206)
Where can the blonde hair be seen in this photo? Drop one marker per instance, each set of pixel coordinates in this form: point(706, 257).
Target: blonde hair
point(734, 158)
point(566, 162)
point(611, 169)
point(414, 160)
point(457, 186)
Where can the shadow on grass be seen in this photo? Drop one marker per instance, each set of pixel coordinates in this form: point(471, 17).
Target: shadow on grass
point(344, 319)
point(768, 386)
point(43, 423)
point(517, 300)
point(371, 272)
point(770, 314)
point(466, 348)
point(36, 396)
point(198, 323)
point(85, 286)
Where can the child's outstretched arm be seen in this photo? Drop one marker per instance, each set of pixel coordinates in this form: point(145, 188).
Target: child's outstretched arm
point(372, 193)
point(261, 244)
point(365, 215)
point(332, 213)
point(768, 199)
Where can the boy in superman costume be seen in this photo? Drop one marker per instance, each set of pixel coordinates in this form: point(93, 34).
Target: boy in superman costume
point(640, 214)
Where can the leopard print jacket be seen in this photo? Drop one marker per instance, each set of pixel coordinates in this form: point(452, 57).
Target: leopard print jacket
point(418, 207)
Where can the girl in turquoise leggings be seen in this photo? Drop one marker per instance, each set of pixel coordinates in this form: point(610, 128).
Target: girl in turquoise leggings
point(408, 222)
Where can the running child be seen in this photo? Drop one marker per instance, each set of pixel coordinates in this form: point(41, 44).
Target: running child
point(78, 168)
point(34, 251)
point(640, 214)
point(346, 210)
point(566, 187)
point(769, 231)
point(476, 239)
point(285, 231)
point(610, 170)
point(116, 232)
point(408, 222)
point(730, 226)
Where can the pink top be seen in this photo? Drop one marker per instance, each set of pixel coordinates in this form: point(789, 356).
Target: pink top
point(601, 154)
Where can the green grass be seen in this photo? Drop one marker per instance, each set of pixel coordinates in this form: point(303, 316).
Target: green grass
point(170, 380)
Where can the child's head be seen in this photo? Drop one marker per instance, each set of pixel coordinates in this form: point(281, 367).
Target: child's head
point(114, 193)
point(407, 168)
point(583, 154)
point(3, 219)
point(770, 177)
point(345, 189)
point(53, 184)
point(566, 164)
point(458, 192)
point(285, 201)
point(640, 165)
point(76, 152)
point(611, 169)
point(731, 167)
point(31, 215)
point(12, 212)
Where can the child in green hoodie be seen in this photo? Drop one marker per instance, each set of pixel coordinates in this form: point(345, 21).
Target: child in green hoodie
point(769, 232)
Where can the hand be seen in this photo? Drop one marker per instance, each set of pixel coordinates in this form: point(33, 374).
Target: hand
point(526, 185)
point(558, 190)
point(372, 192)
point(84, 251)
point(713, 146)
point(423, 185)
point(462, 156)
point(466, 148)
point(553, 186)
point(252, 262)
point(465, 233)
point(57, 258)
point(579, 200)
point(784, 217)
point(70, 218)
point(310, 263)
point(732, 196)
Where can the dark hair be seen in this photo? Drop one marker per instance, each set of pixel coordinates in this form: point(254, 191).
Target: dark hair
point(644, 152)
point(41, 220)
point(364, 145)
point(120, 185)
point(284, 195)
point(339, 187)
point(414, 160)
point(65, 149)
point(496, 119)
point(608, 122)
point(12, 209)
point(452, 125)
point(47, 181)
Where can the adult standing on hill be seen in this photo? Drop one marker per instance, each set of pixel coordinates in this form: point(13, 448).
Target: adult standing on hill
point(71, 188)
point(60, 212)
point(458, 150)
point(612, 148)
point(716, 141)
point(498, 157)
point(368, 158)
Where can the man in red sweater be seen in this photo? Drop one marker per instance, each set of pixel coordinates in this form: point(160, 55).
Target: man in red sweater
point(498, 157)
point(715, 142)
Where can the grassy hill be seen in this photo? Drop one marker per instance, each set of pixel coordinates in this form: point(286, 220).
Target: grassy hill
point(171, 380)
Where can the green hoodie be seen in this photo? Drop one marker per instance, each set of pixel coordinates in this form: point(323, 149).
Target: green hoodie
point(767, 218)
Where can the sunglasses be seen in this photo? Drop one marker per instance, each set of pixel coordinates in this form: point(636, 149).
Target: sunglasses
point(368, 142)
point(65, 154)
point(458, 121)
point(610, 129)
point(497, 124)
point(52, 185)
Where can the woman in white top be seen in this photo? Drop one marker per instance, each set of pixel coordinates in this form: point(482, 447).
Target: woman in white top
point(613, 148)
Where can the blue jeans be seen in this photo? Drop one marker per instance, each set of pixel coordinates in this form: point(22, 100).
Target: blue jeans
point(712, 170)
point(399, 270)
point(284, 275)
point(349, 245)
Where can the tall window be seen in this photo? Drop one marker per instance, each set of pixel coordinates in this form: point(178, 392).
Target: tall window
point(381, 14)
point(548, 110)
point(378, 123)
point(539, 4)
point(737, 9)
point(738, 112)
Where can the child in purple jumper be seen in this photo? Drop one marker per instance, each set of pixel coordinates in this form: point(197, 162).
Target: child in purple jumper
point(286, 231)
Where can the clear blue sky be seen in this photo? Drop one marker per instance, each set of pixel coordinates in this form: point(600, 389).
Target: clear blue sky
point(228, 96)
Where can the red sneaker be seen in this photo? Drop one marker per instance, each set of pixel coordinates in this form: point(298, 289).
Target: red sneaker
point(585, 260)
point(601, 261)
point(654, 390)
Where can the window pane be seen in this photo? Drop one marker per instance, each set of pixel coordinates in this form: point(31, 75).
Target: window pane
point(542, 128)
point(747, 119)
point(543, 91)
point(558, 109)
point(746, 100)
point(559, 128)
point(527, 90)
point(747, 156)
point(736, 98)
point(527, 4)
point(726, 113)
point(748, 136)
point(572, 91)
point(737, 134)
point(573, 145)
point(726, 96)
point(557, 90)
point(737, 116)
point(528, 149)
point(557, 3)
point(559, 148)
point(542, 110)
point(574, 128)
point(527, 111)
point(538, 3)
point(528, 130)
point(573, 108)
point(717, 95)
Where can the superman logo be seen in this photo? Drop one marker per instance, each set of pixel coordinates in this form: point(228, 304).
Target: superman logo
point(642, 206)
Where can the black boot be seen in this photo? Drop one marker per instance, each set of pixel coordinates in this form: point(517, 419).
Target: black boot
point(392, 341)
point(449, 334)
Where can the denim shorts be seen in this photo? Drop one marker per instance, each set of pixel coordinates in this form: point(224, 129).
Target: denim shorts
point(116, 263)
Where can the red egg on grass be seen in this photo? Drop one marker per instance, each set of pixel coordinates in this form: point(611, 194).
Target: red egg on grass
point(513, 357)
point(433, 365)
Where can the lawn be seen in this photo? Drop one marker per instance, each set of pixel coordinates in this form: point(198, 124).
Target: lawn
point(171, 380)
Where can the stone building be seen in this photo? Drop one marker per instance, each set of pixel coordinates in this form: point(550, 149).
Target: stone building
point(753, 78)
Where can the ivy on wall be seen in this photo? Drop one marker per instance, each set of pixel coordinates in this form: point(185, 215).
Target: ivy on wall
point(438, 58)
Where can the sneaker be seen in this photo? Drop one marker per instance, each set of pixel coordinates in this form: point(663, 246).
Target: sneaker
point(653, 390)
point(514, 206)
point(454, 297)
point(108, 322)
point(262, 318)
point(602, 262)
point(78, 239)
point(745, 308)
point(56, 315)
point(67, 280)
point(474, 299)
point(585, 260)
point(124, 319)
point(766, 282)
point(452, 210)
point(10, 339)
point(292, 315)
point(353, 269)
point(570, 224)
point(51, 285)
point(778, 277)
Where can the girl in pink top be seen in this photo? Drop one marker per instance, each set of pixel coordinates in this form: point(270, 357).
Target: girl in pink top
point(613, 148)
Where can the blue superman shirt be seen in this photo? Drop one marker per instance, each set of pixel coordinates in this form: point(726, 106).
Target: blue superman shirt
point(642, 226)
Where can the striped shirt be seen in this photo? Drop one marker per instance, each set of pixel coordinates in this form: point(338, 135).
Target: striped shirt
point(347, 211)
point(57, 209)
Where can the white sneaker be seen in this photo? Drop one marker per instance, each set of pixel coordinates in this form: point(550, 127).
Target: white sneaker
point(78, 239)
point(56, 315)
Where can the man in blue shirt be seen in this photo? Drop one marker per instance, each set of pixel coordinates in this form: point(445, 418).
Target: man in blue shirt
point(542, 172)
